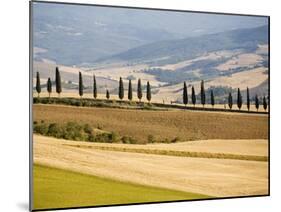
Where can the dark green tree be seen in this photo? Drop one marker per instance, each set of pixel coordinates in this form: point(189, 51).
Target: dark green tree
point(139, 90)
point(58, 81)
point(230, 102)
point(121, 89)
point(95, 92)
point(248, 99)
point(257, 102)
point(148, 92)
point(107, 94)
point(80, 84)
point(193, 96)
point(185, 95)
point(203, 96)
point(264, 103)
point(49, 86)
point(239, 99)
point(38, 85)
point(212, 99)
point(130, 91)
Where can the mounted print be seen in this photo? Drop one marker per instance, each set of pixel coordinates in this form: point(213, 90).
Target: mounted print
point(140, 105)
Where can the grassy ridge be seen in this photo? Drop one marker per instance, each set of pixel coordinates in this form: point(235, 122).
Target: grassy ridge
point(56, 188)
point(179, 153)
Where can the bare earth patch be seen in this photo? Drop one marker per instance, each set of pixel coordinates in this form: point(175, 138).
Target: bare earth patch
point(215, 177)
point(187, 125)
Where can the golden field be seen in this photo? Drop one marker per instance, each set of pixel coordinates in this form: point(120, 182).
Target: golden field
point(214, 177)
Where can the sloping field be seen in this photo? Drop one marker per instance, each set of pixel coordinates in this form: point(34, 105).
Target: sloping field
point(186, 125)
point(257, 147)
point(56, 188)
point(214, 177)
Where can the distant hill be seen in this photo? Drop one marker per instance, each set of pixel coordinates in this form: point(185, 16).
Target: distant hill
point(173, 51)
point(78, 35)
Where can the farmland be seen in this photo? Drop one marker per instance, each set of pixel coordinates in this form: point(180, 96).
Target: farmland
point(50, 192)
point(206, 159)
point(129, 107)
point(186, 125)
point(209, 176)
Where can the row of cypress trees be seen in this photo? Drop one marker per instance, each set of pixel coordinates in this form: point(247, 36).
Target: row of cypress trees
point(148, 92)
point(230, 99)
point(81, 87)
point(130, 90)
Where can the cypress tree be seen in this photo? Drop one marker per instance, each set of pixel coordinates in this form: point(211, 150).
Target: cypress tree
point(49, 86)
point(58, 82)
point(121, 89)
point(148, 92)
point(193, 96)
point(38, 85)
point(264, 103)
point(203, 96)
point(107, 94)
point(212, 99)
point(248, 99)
point(80, 85)
point(239, 99)
point(257, 103)
point(185, 96)
point(130, 91)
point(230, 102)
point(95, 94)
point(139, 90)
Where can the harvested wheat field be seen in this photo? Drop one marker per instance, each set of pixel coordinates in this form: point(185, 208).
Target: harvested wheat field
point(139, 124)
point(214, 177)
point(243, 147)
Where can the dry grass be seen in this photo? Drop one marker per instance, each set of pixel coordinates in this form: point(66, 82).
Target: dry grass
point(187, 125)
point(214, 148)
point(242, 60)
point(251, 78)
point(208, 56)
point(215, 177)
point(177, 153)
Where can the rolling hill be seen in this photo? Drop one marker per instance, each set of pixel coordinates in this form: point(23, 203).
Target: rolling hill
point(78, 35)
point(173, 51)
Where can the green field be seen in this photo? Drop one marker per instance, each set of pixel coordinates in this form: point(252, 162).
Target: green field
point(56, 188)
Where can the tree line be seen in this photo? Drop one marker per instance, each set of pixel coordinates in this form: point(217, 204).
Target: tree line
point(239, 99)
point(230, 99)
point(58, 86)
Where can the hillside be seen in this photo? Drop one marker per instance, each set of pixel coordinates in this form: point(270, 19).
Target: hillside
point(172, 51)
point(79, 35)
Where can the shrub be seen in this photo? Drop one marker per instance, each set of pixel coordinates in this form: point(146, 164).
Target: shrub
point(41, 129)
point(104, 138)
point(55, 130)
point(91, 137)
point(166, 141)
point(86, 104)
point(88, 129)
point(79, 132)
point(128, 140)
point(176, 139)
point(113, 137)
point(151, 139)
point(78, 103)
